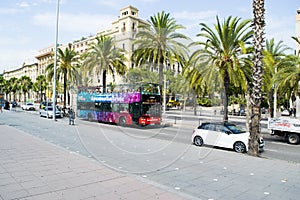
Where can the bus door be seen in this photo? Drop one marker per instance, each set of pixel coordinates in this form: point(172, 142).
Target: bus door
point(105, 112)
point(135, 110)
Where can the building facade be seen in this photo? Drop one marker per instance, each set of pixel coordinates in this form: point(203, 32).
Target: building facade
point(123, 31)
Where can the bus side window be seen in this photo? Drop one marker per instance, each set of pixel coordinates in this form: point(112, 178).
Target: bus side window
point(107, 107)
point(115, 107)
point(124, 108)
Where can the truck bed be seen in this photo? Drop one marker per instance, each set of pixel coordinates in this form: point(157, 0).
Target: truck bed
point(284, 124)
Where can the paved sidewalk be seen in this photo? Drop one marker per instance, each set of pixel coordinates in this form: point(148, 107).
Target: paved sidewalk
point(33, 169)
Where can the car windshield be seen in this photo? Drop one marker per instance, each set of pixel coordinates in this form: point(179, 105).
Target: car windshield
point(49, 108)
point(235, 129)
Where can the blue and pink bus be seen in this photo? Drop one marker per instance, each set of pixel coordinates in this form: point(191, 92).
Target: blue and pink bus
point(127, 106)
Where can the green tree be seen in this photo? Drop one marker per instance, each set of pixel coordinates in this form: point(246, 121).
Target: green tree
point(25, 85)
point(297, 41)
point(13, 87)
point(219, 60)
point(159, 45)
point(2, 84)
point(274, 55)
point(41, 85)
point(256, 92)
point(136, 75)
point(66, 70)
point(103, 57)
point(288, 77)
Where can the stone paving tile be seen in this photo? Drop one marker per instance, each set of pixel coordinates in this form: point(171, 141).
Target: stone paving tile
point(32, 169)
point(15, 194)
point(46, 196)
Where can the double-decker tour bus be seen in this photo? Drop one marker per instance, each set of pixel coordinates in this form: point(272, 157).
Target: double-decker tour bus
point(129, 105)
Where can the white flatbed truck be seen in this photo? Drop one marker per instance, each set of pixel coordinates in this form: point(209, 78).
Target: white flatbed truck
point(286, 127)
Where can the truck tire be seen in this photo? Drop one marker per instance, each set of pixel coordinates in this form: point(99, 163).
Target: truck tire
point(293, 138)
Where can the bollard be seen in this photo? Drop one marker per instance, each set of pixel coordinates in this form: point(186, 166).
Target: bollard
point(175, 120)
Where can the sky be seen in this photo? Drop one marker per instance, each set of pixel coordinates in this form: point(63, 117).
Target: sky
point(27, 26)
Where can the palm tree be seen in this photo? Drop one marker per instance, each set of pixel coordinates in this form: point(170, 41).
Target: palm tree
point(13, 86)
point(288, 77)
point(220, 58)
point(41, 85)
point(159, 44)
point(2, 84)
point(103, 56)
point(67, 68)
point(25, 85)
point(298, 41)
point(273, 61)
point(258, 40)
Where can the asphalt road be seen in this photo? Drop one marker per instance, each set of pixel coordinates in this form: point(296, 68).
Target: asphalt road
point(75, 139)
point(164, 156)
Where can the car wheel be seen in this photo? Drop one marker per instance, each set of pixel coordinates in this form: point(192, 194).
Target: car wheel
point(122, 121)
point(239, 147)
point(293, 139)
point(198, 141)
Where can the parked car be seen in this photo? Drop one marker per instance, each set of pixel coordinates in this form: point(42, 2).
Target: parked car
point(48, 112)
point(225, 135)
point(285, 112)
point(45, 104)
point(28, 106)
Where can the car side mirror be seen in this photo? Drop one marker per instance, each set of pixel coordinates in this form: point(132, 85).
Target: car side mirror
point(228, 132)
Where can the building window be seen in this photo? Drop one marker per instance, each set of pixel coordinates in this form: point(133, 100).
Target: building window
point(124, 27)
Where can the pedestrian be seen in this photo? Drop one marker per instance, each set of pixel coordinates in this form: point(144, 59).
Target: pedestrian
point(71, 116)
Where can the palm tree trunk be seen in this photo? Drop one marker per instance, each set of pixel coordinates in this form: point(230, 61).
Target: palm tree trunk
point(226, 89)
point(195, 103)
point(258, 28)
point(271, 102)
point(65, 90)
point(41, 90)
point(104, 81)
point(24, 97)
point(160, 67)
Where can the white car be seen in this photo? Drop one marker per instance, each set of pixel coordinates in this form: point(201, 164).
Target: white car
point(225, 135)
point(48, 112)
point(28, 106)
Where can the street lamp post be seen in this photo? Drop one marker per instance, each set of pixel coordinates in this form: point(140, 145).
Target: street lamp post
point(55, 62)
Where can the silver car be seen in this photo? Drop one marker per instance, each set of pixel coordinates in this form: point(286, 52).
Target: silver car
point(48, 112)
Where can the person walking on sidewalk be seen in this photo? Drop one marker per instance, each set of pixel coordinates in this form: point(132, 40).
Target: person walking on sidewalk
point(71, 116)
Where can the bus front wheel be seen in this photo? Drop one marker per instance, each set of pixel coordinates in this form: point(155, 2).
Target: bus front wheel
point(122, 121)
